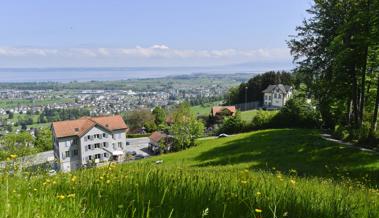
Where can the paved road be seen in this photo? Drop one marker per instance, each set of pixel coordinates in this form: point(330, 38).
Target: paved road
point(139, 145)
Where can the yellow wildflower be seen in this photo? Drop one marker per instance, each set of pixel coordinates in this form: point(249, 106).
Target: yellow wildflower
point(61, 197)
point(258, 210)
point(243, 182)
point(73, 179)
point(293, 182)
point(258, 193)
point(35, 190)
point(101, 178)
point(108, 181)
point(13, 156)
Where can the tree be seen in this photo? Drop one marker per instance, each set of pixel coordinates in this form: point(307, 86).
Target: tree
point(186, 127)
point(256, 85)
point(138, 118)
point(332, 49)
point(43, 140)
point(159, 115)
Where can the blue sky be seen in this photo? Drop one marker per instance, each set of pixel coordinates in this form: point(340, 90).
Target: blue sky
point(75, 33)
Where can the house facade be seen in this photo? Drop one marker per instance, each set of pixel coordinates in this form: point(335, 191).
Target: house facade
point(276, 95)
point(89, 141)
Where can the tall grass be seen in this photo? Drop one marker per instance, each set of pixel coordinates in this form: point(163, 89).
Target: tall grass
point(149, 190)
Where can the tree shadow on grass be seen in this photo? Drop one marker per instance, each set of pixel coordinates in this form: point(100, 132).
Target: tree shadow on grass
point(299, 149)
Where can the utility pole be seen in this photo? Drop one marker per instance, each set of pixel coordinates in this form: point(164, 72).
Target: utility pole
point(246, 88)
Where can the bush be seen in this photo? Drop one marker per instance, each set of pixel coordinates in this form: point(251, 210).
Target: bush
point(137, 135)
point(341, 132)
point(298, 113)
point(263, 119)
point(233, 125)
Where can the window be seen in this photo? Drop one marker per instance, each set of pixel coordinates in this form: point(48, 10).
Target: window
point(97, 136)
point(269, 97)
point(67, 143)
point(280, 95)
point(97, 156)
point(76, 152)
point(67, 153)
point(76, 141)
point(89, 147)
point(88, 137)
point(104, 135)
point(105, 154)
point(97, 145)
point(90, 157)
point(120, 144)
point(105, 144)
point(265, 97)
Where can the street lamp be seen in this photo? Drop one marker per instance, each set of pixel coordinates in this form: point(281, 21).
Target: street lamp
point(246, 88)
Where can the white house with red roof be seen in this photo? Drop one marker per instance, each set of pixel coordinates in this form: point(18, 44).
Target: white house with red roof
point(89, 141)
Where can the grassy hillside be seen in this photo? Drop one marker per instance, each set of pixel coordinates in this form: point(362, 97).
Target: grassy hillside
point(284, 150)
point(283, 173)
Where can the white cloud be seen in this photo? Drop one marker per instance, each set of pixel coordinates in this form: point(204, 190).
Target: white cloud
point(155, 51)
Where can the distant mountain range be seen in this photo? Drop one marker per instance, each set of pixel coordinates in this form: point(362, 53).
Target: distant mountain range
point(67, 74)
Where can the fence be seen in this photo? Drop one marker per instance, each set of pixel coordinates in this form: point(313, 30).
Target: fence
point(248, 106)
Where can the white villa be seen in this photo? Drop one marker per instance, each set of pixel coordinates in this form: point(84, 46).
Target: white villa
point(276, 95)
point(89, 141)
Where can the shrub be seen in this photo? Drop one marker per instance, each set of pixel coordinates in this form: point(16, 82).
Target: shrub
point(233, 125)
point(263, 119)
point(298, 113)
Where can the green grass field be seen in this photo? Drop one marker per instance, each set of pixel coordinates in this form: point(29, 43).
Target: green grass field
point(204, 110)
point(269, 173)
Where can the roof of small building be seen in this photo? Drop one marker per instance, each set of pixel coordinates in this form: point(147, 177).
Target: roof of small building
point(218, 109)
point(157, 136)
point(283, 88)
point(81, 126)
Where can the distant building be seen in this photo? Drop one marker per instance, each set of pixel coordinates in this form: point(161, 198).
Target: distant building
point(276, 95)
point(223, 111)
point(158, 137)
point(89, 141)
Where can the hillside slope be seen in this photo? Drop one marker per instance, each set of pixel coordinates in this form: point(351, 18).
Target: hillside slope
point(230, 177)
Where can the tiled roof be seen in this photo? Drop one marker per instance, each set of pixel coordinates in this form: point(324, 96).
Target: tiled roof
point(81, 126)
point(157, 136)
point(283, 88)
point(218, 109)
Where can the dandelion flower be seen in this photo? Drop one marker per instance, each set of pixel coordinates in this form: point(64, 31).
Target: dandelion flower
point(243, 182)
point(258, 210)
point(35, 190)
point(13, 156)
point(258, 193)
point(108, 181)
point(73, 179)
point(293, 182)
point(61, 197)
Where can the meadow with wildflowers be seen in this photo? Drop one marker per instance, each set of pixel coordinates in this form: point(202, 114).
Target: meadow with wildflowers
point(270, 173)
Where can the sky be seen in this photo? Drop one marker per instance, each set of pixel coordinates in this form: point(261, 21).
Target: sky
point(145, 33)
